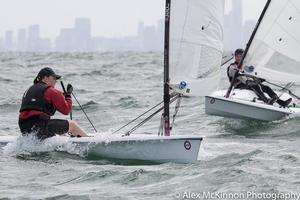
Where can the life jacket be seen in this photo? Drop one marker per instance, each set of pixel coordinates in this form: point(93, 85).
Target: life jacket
point(230, 78)
point(33, 99)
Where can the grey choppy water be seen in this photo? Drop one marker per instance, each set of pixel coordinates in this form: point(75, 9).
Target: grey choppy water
point(236, 156)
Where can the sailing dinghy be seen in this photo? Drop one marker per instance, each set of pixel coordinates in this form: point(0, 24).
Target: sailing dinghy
point(161, 148)
point(273, 51)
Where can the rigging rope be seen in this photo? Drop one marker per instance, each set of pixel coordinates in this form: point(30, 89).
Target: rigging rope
point(173, 98)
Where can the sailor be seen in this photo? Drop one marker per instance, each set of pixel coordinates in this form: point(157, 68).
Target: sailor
point(255, 84)
point(40, 102)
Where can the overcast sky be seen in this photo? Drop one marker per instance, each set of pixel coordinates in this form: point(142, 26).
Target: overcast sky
point(108, 17)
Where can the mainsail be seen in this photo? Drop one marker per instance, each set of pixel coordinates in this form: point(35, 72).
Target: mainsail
point(274, 51)
point(196, 44)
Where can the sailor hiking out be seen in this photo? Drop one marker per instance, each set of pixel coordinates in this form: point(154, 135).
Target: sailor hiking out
point(39, 104)
point(243, 81)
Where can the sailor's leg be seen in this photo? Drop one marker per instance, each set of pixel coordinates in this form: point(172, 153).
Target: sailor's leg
point(75, 130)
point(268, 90)
point(255, 88)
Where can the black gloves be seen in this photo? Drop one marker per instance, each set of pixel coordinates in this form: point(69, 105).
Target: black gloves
point(262, 80)
point(69, 91)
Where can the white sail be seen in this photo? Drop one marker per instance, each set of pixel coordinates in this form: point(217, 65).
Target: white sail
point(274, 51)
point(196, 43)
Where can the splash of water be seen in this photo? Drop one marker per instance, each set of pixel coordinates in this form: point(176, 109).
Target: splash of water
point(31, 144)
point(26, 145)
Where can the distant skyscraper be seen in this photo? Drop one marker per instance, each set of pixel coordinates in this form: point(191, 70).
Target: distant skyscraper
point(33, 42)
point(21, 40)
point(161, 33)
point(141, 29)
point(237, 10)
point(150, 38)
point(140, 35)
point(34, 32)
point(247, 30)
point(82, 34)
point(65, 40)
point(1, 45)
point(8, 41)
point(233, 27)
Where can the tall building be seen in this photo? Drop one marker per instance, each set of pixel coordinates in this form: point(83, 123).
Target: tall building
point(160, 33)
point(237, 10)
point(21, 40)
point(82, 34)
point(8, 41)
point(140, 34)
point(1, 45)
point(33, 42)
point(248, 28)
point(34, 32)
point(65, 40)
point(149, 38)
point(233, 27)
point(140, 29)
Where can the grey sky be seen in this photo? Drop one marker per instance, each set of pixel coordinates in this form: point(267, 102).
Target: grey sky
point(108, 17)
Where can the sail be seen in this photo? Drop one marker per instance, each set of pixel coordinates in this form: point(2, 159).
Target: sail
point(274, 51)
point(196, 44)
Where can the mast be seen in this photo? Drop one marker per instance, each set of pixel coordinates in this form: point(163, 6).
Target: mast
point(166, 114)
point(248, 46)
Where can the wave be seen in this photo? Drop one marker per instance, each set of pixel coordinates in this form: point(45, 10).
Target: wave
point(104, 72)
point(87, 105)
point(92, 73)
point(89, 176)
point(6, 80)
point(128, 102)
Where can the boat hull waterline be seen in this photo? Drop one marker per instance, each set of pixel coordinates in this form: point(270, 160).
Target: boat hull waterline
point(244, 104)
point(160, 149)
point(241, 109)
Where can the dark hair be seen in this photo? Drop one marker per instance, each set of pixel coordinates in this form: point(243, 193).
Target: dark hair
point(37, 79)
point(239, 51)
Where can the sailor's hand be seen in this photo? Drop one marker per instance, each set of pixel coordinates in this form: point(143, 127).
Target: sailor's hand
point(69, 91)
point(240, 73)
point(261, 80)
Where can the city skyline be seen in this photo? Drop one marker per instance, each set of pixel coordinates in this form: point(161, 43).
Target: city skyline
point(123, 16)
point(78, 36)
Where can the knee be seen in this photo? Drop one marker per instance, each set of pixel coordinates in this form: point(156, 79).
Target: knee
point(72, 125)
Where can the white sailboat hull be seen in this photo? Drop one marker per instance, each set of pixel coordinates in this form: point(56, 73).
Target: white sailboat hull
point(179, 149)
point(240, 106)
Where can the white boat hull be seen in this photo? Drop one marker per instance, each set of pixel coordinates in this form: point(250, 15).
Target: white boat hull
point(237, 107)
point(179, 149)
